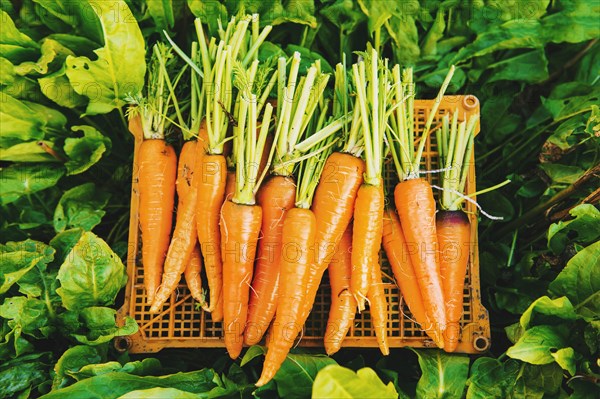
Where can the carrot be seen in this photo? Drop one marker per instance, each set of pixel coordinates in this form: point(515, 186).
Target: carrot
point(180, 250)
point(276, 197)
point(299, 226)
point(241, 217)
point(372, 86)
point(334, 202)
point(455, 146)
point(416, 210)
point(378, 308)
point(184, 236)
point(158, 166)
point(368, 230)
point(454, 235)
point(192, 275)
point(397, 252)
point(279, 194)
point(343, 304)
point(298, 236)
point(334, 198)
point(414, 198)
point(212, 177)
point(240, 225)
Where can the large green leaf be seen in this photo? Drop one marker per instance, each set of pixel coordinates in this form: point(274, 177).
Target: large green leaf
point(159, 392)
point(339, 382)
point(81, 206)
point(73, 17)
point(71, 362)
point(209, 12)
point(536, 382)
point(120, 67)
point(583, 228)
point(18, 258)
point(529, 67)
point(537, 344)
point(580, 281)
point(52, 57)
point(443, 375)
point(84, 152)
point(97, 326)
point(56, 87)
point(15, 45)
point(490, 378)
point(27, 316)
point(548, 311)
point(21, 374)
point(32, 151)
point(18, 180)
point(115, 384)
point(25, 121)
point(148, 366)
point(296, 374)
point(512, 34)
point(345, 14)
point(91, 275)
point(165, 12)
point(576, 22)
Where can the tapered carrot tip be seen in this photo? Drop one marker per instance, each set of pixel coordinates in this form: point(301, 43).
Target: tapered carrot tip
point(451, 336)
point(267, 375)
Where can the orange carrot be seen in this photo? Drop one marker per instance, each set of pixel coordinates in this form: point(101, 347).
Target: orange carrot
point(454, 235)
point(366, 241)
point(275, 197)
point(192, 275)
point(333, 204)
point(180, 250)
point(378, 307)
point(185, 172)
point(240, 226)
point(158, 167)
point(211, 179)
point(416, 210)
point(230, 184)
point(297, 237)
point(397, 253)
point(184, 236)
point(343, 304)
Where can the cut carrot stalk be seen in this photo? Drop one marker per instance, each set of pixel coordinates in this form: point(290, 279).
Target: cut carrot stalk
point(343, 304)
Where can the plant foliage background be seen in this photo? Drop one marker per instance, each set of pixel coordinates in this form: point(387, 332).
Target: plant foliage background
point(66, 69)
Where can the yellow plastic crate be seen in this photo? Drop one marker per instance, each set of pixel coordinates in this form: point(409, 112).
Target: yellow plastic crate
point(180, 325)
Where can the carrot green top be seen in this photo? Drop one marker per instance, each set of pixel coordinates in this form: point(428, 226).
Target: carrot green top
point(401, 134)
point(212, 77)
point(155, 106)
point(373, 90)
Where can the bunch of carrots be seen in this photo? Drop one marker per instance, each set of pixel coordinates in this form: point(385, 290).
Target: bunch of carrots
point(280, 177)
